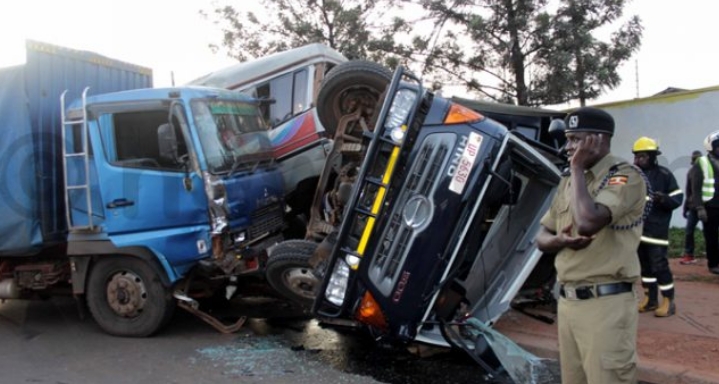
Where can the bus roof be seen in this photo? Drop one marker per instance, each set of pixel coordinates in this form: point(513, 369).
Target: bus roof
point(246, 73)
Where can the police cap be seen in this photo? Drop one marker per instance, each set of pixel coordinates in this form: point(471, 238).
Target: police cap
point(590, 119)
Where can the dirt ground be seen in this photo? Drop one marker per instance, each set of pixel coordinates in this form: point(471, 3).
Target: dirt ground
point(684, 344)
point(691, 337)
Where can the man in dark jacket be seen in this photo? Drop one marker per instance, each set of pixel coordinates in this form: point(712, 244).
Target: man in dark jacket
point(705, 197)
point(691, 216)
point(666, 197)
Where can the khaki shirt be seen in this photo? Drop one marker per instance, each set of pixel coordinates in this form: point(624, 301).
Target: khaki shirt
point(612, 255)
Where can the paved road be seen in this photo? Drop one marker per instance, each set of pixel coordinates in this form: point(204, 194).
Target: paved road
point(47, 342)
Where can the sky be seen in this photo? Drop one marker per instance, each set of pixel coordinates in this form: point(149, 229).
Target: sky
point(170, 37)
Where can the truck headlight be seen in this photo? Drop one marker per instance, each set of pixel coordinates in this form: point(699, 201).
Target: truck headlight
point(217, 200)
point(399, 111)
point(337, 286)
point(240, 237)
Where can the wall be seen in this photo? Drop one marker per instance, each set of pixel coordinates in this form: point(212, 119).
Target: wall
point(678, 121)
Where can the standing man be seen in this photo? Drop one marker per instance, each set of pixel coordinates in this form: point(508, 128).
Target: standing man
point(691, 216)
point(666, 197)
point(594, 224)
point(705, 198)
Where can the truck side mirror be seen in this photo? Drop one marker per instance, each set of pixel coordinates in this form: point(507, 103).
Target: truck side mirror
point(167, 142)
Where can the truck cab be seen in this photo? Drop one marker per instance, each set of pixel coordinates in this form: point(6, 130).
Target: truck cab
point(132, 199)
point(289, 82)
point(430, 216)
point(164, 186)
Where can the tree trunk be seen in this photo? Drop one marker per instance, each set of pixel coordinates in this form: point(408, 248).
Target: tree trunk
point(516, 57)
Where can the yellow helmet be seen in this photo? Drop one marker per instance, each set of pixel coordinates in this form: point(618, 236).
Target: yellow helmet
point(645, 144)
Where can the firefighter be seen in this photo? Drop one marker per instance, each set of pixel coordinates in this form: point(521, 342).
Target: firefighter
point(665, 198)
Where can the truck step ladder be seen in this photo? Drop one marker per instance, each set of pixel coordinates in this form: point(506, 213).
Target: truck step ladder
point(77, 154)
point(383, 146)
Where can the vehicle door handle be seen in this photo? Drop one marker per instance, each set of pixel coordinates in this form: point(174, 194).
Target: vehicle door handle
point(117, 203)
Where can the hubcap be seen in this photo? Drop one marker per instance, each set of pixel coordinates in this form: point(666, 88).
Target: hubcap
point(126, 294)
point(302, 282)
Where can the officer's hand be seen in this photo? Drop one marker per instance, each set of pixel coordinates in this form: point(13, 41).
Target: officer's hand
point(702, 214)
point(685, 213)
point(587, 152)
point(574, 241)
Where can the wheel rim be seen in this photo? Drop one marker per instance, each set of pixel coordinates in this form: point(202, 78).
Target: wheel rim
point(126, 294)
point(301, 282)
point(354, 98)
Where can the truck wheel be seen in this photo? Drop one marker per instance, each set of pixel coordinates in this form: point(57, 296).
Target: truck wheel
point(347, 87)
point(127, 298)
point(289, 272)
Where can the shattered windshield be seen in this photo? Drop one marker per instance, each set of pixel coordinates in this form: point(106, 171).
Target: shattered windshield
point(233, 135)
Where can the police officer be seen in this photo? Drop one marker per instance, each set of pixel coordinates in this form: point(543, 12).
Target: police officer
point(594, 225)
point(666, 197)
point(705, 197)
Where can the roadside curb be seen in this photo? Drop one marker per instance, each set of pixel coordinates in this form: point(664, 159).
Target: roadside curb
point(661, 372)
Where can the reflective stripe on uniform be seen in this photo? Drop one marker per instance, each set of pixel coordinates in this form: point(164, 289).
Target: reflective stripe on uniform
point(708, 173)
point(651, 240)
point(676, 192)
point(666, 287)
point(649, 280)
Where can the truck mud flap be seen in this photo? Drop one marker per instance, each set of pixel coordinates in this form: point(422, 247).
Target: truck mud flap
point(521, 366)
point(191, 305)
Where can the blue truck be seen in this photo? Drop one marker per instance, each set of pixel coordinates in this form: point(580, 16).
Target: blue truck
point(135, 200)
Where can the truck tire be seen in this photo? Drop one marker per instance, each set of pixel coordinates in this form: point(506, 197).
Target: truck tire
point(127, 298)
point(347, 86)
point(289, 272)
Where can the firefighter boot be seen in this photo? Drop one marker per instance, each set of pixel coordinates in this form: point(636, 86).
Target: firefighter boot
point(666, 309)
point(647, 304)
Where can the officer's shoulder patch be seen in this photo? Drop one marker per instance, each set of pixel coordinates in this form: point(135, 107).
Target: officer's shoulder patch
point(618, 180)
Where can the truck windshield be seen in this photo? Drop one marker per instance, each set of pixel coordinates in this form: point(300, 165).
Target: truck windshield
point(232, 134)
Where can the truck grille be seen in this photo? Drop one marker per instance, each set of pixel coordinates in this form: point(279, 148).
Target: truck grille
point(422, 180)
point(266, 219)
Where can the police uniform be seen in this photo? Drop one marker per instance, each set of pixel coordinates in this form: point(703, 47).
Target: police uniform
point(597, 316)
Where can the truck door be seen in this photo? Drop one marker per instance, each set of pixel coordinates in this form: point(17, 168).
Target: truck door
point(151, 197)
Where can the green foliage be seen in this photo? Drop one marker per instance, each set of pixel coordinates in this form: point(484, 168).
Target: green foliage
point(500, 41)
point(518, 51)
point(286, 24)
point(583, 65)
point(676, 242)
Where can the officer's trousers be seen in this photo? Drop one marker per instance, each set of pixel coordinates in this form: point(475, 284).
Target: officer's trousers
point(692, 221)
point(597, 339)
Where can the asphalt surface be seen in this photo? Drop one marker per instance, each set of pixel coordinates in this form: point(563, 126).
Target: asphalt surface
point(47, 342)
